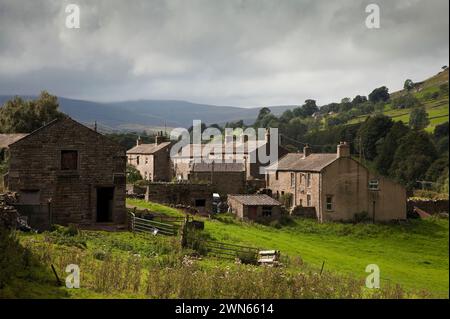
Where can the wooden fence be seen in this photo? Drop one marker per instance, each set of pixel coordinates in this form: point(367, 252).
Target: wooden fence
point(230, 251)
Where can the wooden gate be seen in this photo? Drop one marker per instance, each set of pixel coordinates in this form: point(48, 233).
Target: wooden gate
point(138, 224)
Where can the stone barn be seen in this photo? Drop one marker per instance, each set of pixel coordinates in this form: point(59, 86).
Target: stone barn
point(64, 172)
point(255, 207)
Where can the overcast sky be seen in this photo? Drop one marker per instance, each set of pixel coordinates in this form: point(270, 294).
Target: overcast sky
point(224, 52)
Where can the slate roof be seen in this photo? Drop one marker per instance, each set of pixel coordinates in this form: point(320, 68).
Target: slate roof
point(148, 148)
point(7, 139)
point(255, 200)
point(315, 162)
point(217, 167)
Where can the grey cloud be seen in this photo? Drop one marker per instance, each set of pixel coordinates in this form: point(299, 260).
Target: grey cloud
point(240, 52)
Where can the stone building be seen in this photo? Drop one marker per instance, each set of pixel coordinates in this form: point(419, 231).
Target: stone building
point(235, 149)
point(334, 187)
point(224, 178)
point(254, 207)
point(152, 160)
point(5, 141)
point(65, 173)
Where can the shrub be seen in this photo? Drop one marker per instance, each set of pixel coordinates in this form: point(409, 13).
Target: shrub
point(361, 217)
point(248, 258)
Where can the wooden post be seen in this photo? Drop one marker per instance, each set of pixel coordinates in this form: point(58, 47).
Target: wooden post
point(184, 231)
point(321, 270)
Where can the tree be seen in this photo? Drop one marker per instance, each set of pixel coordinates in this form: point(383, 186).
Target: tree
point(418, 119)
point(408, 85)
point(309, 108)
point(388, 147)
point(133, 175)
point(405, 101)
point(24, 116)
point(359, 100)
point(414, 155)
point(371, 131)
point(380, 94)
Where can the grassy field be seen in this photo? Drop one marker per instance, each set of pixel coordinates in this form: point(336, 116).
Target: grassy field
point(413, 259)
point(415, 255)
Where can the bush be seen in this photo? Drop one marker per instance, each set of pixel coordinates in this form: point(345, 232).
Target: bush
point(361, 217)
point(248, 258)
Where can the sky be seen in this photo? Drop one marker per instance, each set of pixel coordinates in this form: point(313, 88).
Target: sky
point(248, 53)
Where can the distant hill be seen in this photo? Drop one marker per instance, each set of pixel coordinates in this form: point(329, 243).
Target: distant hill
point(152, 114)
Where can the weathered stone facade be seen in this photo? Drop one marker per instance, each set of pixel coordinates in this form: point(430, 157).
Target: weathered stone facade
point(337, 187)
point(66, 173)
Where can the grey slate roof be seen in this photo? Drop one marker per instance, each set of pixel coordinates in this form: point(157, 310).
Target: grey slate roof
point(296, 162)
point(217, 167)
point(147, 148)
point(255, 200)
point(7, 139)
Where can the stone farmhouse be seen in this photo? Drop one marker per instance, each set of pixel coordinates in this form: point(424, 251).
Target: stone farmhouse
point(64, 172)
point(254, 207)
point(152, 160)
point(334, 187)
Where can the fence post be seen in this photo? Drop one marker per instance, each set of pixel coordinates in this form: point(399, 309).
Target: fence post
point(184, 232)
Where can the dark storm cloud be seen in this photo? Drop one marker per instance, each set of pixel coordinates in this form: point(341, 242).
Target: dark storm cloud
point(241, 52)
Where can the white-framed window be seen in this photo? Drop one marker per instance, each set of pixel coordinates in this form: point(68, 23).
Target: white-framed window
point(308, 180)
point(308, 200)
point(292, 179)
point(329, 203)
point(374, 185)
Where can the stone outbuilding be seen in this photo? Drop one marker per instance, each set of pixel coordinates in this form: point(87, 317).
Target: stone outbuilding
point(254, 207)
point(334, 186)
point(65, 172)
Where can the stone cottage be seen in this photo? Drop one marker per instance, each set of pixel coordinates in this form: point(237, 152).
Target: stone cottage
point(254, 207)
point(334, 187)
point(64, 172)
point(152, 160)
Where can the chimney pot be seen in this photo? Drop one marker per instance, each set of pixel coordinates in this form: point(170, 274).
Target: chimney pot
point(306, 151)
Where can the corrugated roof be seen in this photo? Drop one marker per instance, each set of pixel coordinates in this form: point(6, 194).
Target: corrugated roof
point(147, 148)
point(7, 139)
point(217, 167)
point(255, 200)
point(296, 162)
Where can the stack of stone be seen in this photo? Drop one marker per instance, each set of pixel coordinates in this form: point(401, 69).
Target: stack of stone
point(8, 214)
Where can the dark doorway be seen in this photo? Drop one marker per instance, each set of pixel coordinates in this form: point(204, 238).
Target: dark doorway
point(105, 198)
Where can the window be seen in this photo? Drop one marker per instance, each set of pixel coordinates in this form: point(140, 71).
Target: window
point(329, 203)
point(145, 175)
point(146, 160)
point(276, 175)
point(137, 160)
point(373, 185)
point(69, 160)
point(292, 179)
point(267, 211)
point(308, 200)
point(308, 180)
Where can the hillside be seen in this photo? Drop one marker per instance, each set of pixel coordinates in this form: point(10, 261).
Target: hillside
point(151, 114)
point(437, 108)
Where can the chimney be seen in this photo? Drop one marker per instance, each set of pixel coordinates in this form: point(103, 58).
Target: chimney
point(159, 138)
point(138, 141)
point(343, 150)
point(306, 151)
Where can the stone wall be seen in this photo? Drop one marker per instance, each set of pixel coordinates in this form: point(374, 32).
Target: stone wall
point(430, 206)
point(189, 194)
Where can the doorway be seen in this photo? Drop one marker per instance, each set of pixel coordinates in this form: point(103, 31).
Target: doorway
point(105, 199)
